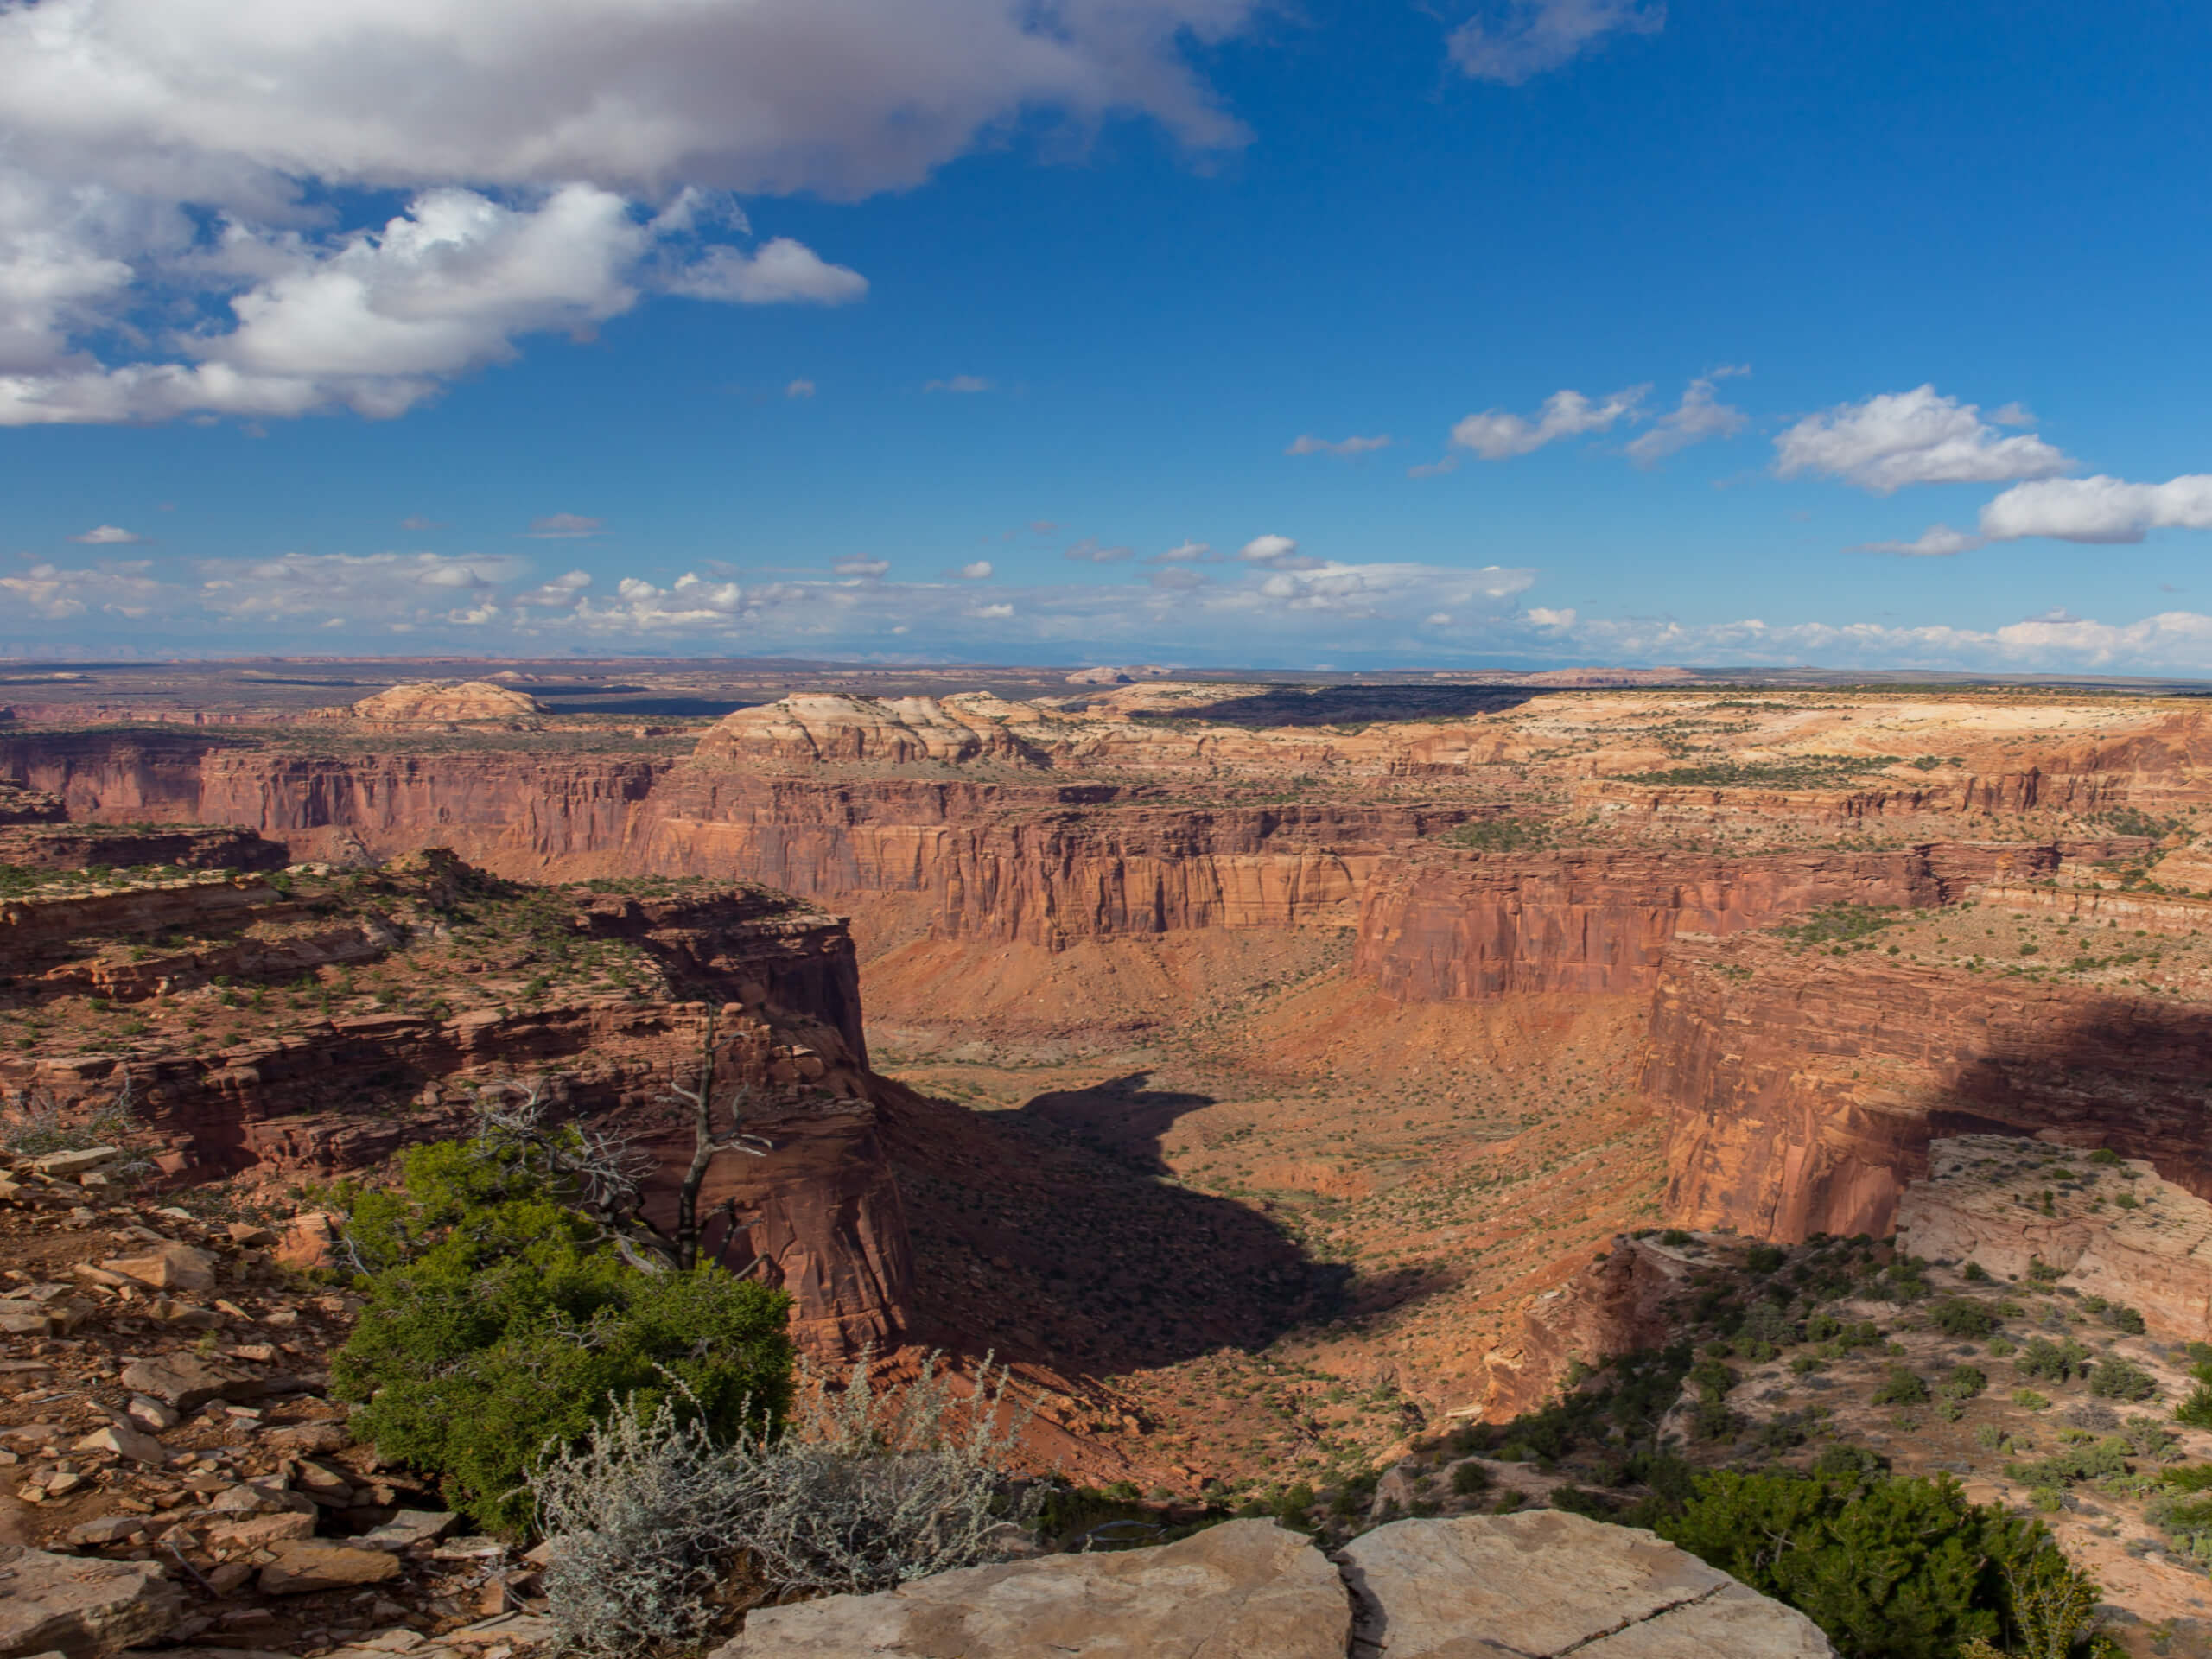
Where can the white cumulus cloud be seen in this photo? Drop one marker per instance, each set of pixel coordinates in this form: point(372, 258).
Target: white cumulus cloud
point(780, 271)
point(1919, 437)
point(109, 535)
point(2099, 509)
point(171, 171)
point(1499, 434)
point(1699, 416)
point(1529, 37)
point(1276, 553)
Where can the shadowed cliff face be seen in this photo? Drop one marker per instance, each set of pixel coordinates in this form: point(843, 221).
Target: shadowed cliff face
point(1803, 1091)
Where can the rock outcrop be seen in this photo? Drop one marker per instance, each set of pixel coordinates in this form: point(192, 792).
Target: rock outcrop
point(1803, 1089)
point(1536, 1585)
point(59, 1603)
point(1245, 1590)
point(319, 1091)
point(447, 704)
point(1482, 926)
point(2115, 1231)
point(1624, 1300)
point(1548, 1583)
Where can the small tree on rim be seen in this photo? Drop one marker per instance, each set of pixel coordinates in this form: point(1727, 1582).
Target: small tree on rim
point(607, 1174)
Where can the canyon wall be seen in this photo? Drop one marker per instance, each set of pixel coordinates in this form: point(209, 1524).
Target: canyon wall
point(1476, 927)
point(1803, 1089)
point(315, 1096)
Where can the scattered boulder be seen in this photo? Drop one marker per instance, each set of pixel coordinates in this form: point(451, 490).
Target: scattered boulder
point(79, 1607)
point(309, 1241)
point(108, 1530)
point(258, 1531)
point(63, 1165)
point(151, 1414)
point(169, 1267)
point(185, 1382)
point(1245, 1590)
point(126, 1443)
point(302, 1568)
point(407, 1529)
point(1548, 1582)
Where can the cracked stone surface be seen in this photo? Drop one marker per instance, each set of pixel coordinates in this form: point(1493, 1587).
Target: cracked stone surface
point(1245, 1590)
point(1545, 1584)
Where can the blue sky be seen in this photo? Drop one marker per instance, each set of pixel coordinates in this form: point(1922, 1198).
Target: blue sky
point(684, 326)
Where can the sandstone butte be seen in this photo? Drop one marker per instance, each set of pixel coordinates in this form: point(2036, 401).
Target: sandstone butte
point(441, 703)
point(1629, 849)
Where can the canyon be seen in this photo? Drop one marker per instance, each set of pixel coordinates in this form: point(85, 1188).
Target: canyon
point(1304, 1034)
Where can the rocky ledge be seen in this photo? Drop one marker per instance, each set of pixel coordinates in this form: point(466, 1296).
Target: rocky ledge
point(1533, 1585)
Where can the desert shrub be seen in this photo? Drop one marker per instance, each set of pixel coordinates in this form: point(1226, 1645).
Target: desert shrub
point(2085, 1459)
point(33, 1125)
point(2196, 1412)
point(1468, 1479)
point(1503, 835)
point(1889, 1567)
point(2045, 1360)
point(2002, 1347)
point(1962, 1316)
point(1975, 1273)
point(656, 1520)
point(2115, 1378)
point(1963, 1382)
point(2148, 1438)
point(1901, 1387)
point(1780, 1434)
point(2029, 1400)
point(1712, 1422)
point(500, 1322)
point(1765, 1322)
point(1714, 1380)
point(2182, 1509)
point(1576, 1500)
point(1765, 1258)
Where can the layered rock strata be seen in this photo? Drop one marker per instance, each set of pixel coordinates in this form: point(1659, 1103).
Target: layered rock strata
point(1803, 1089)
point(1481, 926)
point(307, 1096)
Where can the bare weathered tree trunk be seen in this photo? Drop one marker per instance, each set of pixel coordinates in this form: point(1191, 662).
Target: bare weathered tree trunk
point(609, 1174)
point(689, 1228)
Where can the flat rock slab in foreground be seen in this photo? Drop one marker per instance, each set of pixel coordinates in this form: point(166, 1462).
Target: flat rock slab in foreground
point(1245, 1590)
point(79, 1607)
point(1547, 1583)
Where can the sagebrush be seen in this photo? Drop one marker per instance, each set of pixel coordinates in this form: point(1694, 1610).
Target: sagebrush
point(663, 1531)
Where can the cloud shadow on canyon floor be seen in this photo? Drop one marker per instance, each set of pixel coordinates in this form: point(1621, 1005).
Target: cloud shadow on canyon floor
point(1048, 1233)
point(1351, 705)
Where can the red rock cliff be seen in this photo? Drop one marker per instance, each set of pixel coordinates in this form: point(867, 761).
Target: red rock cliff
point(1479, 926)
point(1802, 1089)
